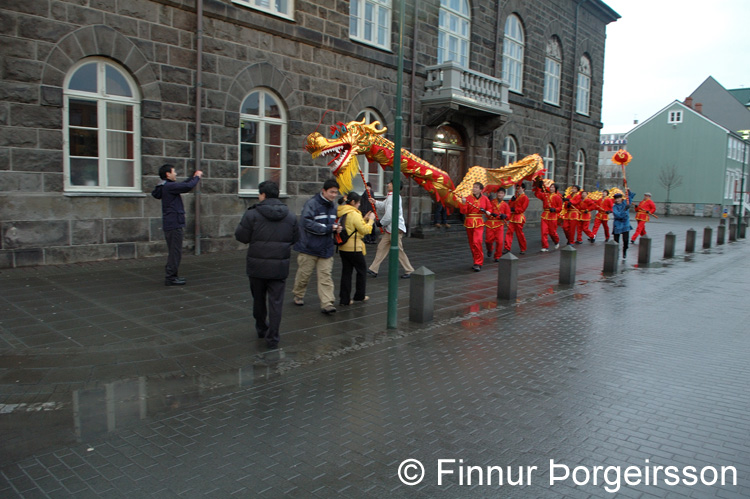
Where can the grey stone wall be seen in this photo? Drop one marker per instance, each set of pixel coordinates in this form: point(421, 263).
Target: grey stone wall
point(311, 64)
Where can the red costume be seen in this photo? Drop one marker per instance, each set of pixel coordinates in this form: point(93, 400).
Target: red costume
point(517, 219)
point(572, 218)
point(495, 228)
point(642, 215)
point(551, 206)
point(586, 206)
point(602, 216)
point(474, 209)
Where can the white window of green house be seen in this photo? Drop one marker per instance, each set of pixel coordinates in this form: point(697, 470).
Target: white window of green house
point(583, 92)
point(370, 22)
point(549, 161)
point(674, 117)
point(580, 168)
point(263, 141)
point(102, 133)
point(371, 170)
point(281, 8)
point(552, 72)
point(513, 47)
point(453, 32)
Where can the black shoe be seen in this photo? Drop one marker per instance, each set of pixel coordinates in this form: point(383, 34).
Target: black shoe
point(476, 268)
point(406, 276)
point(496, 260)
point(371, 273)
point(591, 239)
point(272, 345)
point(176, 281)
point(262, 335)
point(329, 310)
point(579, 242)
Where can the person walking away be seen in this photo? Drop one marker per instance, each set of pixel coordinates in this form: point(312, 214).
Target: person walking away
point(353, 251)
point(643, 210)
point(602, 216)
point(621, 220)
point(586, 206)
point(551, 207)
point(315, 246)
point(173, 218)
point(518, 205)
point(385, 208)
point(269, 229)
point(497, 221)
point(474, 208)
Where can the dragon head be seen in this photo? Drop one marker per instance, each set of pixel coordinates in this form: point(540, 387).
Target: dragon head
point(347, 141)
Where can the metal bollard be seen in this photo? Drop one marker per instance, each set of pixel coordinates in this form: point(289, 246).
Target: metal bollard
point(644, 250)
point(507, 277)
point(670, 240)
point(720, 234)
point(422, 295)
point(707, 233)
point(568, 265)
point(733, 231)
point(611, 253)
point(690, 241)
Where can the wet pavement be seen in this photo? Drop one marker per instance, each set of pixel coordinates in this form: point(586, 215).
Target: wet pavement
point(112, 384)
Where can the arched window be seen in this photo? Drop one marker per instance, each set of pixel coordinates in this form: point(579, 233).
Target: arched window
point(580, 166)
point(549, 161)
point(513, 46)
point(102, 131)
point(510, 150)
point(263, 137)
point(450, 151)
point(583, 91)
point(372, 171)
point(453, 32)
point(370, 22)
point(552, 72)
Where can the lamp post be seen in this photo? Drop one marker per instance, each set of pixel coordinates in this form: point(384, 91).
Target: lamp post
point(745, 136)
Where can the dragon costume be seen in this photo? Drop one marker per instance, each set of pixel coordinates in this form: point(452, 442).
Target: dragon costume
point(356, 137)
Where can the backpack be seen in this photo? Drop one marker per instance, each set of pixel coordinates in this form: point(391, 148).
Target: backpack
point(340, 238)
point(157, 192)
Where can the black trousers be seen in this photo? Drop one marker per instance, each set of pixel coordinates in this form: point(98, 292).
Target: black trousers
point(174, 252)
point(267, 315)
point(625, 240)
point(352, 260)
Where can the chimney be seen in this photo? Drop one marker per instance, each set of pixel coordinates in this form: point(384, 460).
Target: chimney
point(689, 102)
point(699, 107)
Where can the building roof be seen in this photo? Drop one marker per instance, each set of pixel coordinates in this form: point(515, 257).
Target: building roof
point(720, 106)
point(684, 108)
point(742, 95)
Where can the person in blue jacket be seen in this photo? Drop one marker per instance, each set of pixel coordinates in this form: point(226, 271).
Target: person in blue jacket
point(621, 223)
point(315, 246)
point(173, 218)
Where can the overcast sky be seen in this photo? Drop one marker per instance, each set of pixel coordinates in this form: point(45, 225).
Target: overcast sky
point(661, 50)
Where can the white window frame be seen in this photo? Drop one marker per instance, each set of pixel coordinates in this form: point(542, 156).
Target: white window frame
point(580, 168)
point(273, 7)
point(510, 155)
point(549, 161)
point(674, 117)
point(454, 32)
point(370, 115)
point(583, 86)
point(513, 50)
point(553, 72)
point(102, 99)
point(262, 141)
point(379, 21)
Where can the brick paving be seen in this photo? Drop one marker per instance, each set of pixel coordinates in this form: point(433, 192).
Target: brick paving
point(650, 363)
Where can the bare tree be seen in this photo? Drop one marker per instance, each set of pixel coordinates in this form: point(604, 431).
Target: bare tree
point(670, 179)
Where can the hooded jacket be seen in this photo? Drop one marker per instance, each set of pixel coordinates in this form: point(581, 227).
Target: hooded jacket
point(356, 226)
point(270, 229)
point(172, 209)
point(316, 231)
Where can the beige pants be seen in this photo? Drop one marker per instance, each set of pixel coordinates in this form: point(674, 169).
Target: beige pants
point(384, 246)
point(305, 266)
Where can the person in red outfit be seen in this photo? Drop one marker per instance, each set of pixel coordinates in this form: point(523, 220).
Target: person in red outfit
point(643, 212)
point(474, 208)
point(572, 215)
point(551, 205)
point(518, 205)
point(586, 206)
point(494, 233)
point(602, 216)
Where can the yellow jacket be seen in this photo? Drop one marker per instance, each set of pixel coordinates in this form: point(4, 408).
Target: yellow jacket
point(356, 226)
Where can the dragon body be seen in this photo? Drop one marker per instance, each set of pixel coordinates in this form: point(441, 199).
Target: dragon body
point(358, 138)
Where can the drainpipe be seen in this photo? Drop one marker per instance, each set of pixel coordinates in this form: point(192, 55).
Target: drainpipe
point(574, 89)
point(198, 123)
point(411, 116)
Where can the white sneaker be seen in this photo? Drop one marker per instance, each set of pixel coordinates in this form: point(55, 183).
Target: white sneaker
point(544, 250)
point(557, 246)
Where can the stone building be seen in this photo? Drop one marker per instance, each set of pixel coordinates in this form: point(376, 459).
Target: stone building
point(95, 95)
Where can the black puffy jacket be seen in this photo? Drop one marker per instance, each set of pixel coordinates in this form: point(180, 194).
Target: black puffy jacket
point(270, 229)
point(316, 234)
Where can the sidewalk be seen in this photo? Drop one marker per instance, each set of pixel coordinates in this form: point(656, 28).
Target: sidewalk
point(106, 344)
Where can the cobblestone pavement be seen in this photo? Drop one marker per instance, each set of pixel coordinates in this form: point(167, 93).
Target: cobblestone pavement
point(644, 368)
